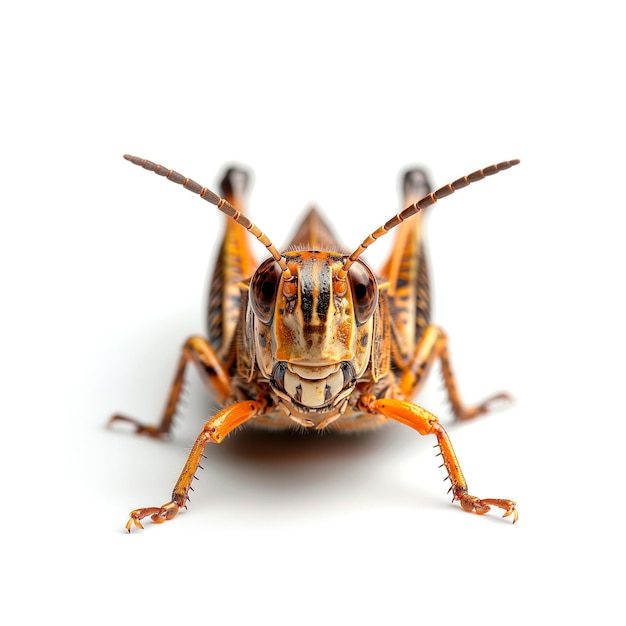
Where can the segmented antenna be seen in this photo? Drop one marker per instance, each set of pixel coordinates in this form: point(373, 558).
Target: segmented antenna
point(425, 202)
point(223, 205)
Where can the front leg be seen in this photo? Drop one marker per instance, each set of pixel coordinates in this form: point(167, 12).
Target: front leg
point(427, 424)
point(215, 430)
point(198, 351)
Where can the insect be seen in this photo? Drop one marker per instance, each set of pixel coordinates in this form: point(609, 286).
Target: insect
point(312, 338)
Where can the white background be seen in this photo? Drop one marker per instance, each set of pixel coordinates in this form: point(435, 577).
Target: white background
point(103, 278)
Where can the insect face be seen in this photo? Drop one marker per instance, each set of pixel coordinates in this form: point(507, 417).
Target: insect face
point(313, 327)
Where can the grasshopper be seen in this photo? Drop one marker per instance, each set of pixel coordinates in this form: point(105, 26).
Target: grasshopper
point(312, 338)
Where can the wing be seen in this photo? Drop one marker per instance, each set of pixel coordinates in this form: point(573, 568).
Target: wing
point(407, 272)
point(235, 263)
point(314, 234)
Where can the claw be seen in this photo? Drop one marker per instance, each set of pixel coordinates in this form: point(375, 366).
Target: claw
point(131, 521)
point(512, 510)
point(480, 506)
point(495, 402)
point(140, 429)
point(157, 514)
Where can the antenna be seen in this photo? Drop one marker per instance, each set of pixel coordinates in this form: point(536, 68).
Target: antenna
point(223, 205)
point(425, 202)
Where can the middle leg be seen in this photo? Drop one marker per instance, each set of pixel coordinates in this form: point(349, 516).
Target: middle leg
point(212, 371)
point(433, 345)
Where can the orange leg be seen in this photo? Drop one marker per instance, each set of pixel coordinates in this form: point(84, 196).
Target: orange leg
point(427, 424)
point(434, 345)
point(215, 430)
point(197, 351)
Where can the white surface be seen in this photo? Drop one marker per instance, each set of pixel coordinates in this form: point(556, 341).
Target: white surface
point(104, 269)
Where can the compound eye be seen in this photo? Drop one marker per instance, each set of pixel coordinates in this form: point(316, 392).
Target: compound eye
point(263, 288)
point(364, 291)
